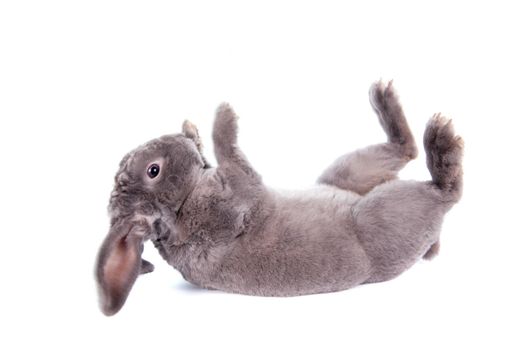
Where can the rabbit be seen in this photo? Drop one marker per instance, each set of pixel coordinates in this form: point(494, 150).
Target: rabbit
point(223, 229)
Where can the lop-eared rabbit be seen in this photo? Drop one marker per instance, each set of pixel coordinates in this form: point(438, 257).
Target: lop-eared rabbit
point(222, 228)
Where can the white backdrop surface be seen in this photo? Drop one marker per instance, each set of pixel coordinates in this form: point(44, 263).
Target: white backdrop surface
point(82, 83)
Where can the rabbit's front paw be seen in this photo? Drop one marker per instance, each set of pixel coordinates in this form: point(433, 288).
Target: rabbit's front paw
point(225, 126)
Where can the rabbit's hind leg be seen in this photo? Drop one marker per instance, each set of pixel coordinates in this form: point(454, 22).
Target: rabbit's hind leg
point(398, 223)
point(362, 170)
point(444, 160)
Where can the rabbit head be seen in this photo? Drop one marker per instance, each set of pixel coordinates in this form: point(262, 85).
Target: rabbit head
point(152, 183)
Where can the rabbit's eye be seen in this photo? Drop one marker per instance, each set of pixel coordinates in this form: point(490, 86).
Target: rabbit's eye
point(153, 170)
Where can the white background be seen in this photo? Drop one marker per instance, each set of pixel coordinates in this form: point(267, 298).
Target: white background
point(82, 83)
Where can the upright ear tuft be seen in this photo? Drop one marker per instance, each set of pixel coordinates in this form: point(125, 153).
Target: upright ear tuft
point(190, 131)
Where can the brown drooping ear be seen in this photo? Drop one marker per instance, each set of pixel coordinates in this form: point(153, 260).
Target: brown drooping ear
point(190, 131)
point(118, 265)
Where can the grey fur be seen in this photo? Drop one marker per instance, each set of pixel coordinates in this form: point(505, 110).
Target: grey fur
point(222, 228)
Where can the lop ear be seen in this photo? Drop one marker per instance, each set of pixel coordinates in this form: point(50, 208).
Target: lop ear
point(118, 265)
point(190, 131)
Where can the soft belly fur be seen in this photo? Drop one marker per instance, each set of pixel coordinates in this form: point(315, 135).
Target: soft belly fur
point(308, 245)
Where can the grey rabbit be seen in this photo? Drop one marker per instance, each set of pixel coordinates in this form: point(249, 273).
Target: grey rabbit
point(222, 228)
